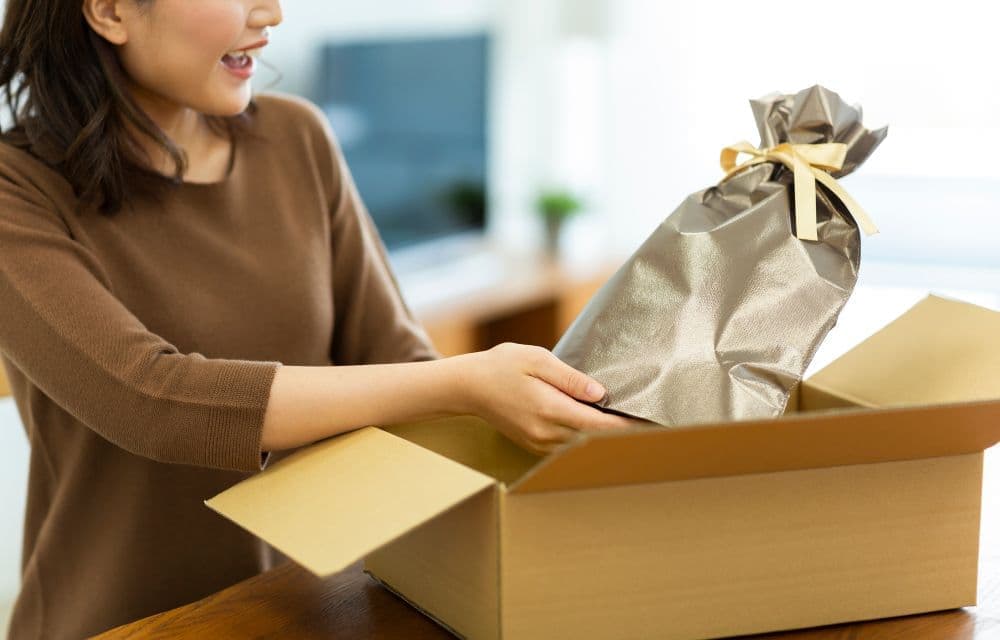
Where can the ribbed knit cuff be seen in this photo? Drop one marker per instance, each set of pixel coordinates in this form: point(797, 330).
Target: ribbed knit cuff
point(236, 424)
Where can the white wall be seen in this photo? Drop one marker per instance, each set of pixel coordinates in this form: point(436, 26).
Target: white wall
point(13, 477)
point(682, 74)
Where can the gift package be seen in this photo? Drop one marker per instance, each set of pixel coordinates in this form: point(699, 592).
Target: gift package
point(717, 315)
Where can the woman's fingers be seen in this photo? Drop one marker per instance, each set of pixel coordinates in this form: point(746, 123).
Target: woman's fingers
point(586, 418)
point(545, 438)
point(570, 385)
point(536, 399)
point(567, 379)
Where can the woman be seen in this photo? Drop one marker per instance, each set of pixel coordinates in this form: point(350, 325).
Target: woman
point(180, 266)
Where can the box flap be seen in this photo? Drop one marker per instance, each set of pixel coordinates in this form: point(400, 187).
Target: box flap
point(939, 351)
point(806, 441)
point(334, 502)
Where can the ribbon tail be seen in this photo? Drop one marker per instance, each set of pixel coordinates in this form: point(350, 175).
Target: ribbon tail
point(805, 201)
point(857, 212)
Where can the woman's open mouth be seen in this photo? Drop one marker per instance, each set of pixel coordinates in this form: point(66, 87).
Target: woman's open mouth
point(241, 63)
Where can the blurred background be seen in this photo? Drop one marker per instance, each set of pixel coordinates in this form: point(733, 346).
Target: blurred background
point(463, 120)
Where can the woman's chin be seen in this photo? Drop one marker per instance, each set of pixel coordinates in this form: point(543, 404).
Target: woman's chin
point(231, 105)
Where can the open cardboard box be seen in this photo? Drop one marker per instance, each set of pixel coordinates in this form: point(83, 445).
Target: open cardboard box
point(862, 502)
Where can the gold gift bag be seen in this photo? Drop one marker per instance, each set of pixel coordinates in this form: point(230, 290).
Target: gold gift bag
point(720, 311)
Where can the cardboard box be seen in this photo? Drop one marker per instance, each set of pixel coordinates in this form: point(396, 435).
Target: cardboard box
point(863, 502)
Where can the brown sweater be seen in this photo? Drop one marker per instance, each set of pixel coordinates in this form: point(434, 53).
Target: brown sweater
point(141, 348)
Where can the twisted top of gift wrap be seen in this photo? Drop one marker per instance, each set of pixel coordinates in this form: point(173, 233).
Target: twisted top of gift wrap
point(818, 137)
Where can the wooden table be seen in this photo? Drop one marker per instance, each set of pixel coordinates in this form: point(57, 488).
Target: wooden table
point(289, 602)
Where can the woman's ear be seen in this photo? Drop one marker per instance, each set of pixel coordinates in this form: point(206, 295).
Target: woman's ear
point(105, 18)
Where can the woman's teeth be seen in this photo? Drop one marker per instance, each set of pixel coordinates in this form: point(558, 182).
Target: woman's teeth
point(239, 59)
point(253, 53)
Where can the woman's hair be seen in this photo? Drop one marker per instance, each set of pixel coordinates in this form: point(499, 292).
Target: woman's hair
point(66, 91)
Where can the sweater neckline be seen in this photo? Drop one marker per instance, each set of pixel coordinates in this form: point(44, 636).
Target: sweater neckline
point(233, 144)
point(204, 186)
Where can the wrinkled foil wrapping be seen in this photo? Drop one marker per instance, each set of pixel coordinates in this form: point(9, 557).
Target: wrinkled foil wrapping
point(718, 314)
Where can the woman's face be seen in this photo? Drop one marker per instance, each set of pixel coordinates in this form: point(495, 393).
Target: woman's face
point(176, 51)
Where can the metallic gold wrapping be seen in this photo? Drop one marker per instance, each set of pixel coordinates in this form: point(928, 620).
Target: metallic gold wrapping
point(718, 314)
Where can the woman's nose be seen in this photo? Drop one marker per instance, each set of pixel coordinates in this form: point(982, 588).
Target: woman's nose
point(266, 13)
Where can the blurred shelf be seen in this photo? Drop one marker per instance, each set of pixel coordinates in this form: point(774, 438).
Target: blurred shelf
point(492, 297)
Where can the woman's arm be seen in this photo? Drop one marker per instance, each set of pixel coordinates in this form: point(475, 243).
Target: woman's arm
point(525, 392)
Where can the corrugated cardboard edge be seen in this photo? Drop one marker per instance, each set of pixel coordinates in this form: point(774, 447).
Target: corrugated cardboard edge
point(4, 384)
point(502, 550)
point(448, 565)
point(763, 446)
point(399, 594)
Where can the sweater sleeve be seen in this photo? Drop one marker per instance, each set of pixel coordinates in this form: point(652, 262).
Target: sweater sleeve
point(62, 327)
point(373, 323)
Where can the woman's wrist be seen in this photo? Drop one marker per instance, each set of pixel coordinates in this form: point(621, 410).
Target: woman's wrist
point(456, 383)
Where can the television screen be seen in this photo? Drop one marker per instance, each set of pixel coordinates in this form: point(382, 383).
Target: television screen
point(410, 115)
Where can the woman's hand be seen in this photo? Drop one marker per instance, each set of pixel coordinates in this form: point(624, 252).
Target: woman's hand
point(531, 396)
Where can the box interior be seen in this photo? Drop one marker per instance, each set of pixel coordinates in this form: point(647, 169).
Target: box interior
point(473, 443)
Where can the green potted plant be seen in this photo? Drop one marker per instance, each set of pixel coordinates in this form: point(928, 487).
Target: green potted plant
point(555, 207)
point(466, 201)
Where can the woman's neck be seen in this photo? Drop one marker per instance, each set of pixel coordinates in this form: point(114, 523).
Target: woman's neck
point(207, 153)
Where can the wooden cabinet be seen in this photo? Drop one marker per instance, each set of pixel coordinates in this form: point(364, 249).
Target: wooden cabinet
point(533, 302)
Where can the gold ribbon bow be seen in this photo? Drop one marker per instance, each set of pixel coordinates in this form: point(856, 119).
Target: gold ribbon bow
point(809, 164)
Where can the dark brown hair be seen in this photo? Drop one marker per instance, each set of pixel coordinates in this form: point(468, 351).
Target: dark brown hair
point(66, 91)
